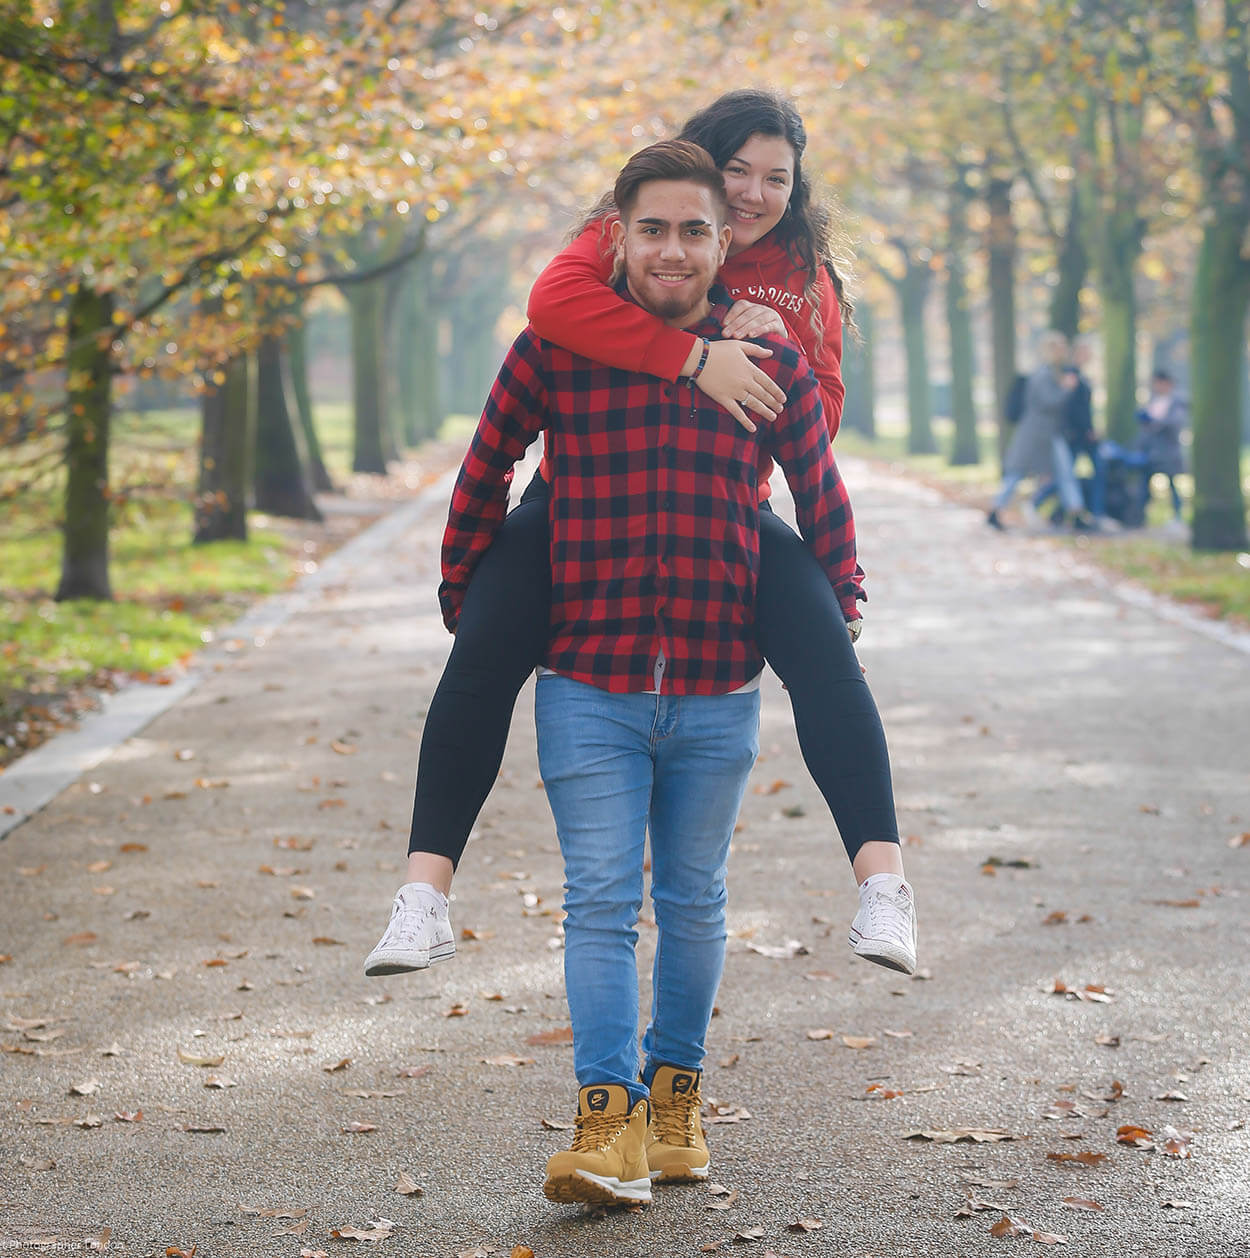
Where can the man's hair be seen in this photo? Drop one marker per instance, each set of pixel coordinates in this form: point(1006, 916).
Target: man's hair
point(672, 160)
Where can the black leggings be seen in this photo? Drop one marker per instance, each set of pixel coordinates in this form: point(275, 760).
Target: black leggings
point(502, 635)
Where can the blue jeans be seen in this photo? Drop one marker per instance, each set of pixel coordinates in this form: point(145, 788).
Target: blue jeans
point(615, 766)
point(1065, 479)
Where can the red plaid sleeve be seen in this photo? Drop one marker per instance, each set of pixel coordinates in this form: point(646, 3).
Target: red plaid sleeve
point(799, 438)
point(515, 413)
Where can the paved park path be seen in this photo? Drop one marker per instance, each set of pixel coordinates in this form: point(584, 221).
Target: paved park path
point(183, 929)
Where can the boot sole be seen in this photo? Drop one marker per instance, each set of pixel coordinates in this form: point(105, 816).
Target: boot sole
point(582, 1188)
point(680, 1175)
point(406, 963)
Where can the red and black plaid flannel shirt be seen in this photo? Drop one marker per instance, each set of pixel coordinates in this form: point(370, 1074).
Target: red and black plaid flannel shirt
point(654, 513)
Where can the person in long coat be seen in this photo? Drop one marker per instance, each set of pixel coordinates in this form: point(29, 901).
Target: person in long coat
point(1037, 447)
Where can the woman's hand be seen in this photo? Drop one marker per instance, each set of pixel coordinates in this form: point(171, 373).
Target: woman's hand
point(732, 379)
point(746, 320)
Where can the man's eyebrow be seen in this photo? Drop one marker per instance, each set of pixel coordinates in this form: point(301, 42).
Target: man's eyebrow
point(663, 222)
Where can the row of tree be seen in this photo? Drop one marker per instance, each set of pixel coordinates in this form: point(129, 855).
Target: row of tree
point(176, 178)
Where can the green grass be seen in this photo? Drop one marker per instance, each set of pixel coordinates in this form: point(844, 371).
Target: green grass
point(1218, 583)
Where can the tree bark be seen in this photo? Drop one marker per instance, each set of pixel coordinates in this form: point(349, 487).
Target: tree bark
point(85, 545)
point(283, 486)
point(416, 356)
point(228, 426)
point(913, 290)
point(367, 305)
point(1217, 332)
point(965, 450)
point(1001, 249)
point(297, 366)
point(859, 377)
point(1119, 247)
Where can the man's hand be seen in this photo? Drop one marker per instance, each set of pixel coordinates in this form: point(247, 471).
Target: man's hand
point(746, 320)
point(730, 378)
point(855, 628)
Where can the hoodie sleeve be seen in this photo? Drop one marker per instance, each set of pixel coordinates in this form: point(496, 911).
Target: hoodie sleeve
point(573, 305)
point(824, 354)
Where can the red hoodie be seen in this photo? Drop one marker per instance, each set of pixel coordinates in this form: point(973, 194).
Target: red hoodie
point(573, 305)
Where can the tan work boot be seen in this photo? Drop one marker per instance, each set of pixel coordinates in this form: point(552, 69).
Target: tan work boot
point(607, 1164)
point(676, 1149)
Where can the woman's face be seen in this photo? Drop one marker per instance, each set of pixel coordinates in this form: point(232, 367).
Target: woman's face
point(759, 178)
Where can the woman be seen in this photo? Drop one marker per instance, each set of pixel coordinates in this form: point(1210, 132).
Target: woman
point(779, 263)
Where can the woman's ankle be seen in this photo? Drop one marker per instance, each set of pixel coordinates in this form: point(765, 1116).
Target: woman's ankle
point(878, 857)
point(432, 868)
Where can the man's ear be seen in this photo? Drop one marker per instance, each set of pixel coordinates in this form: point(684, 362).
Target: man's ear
point(618, 236)
point(726, 235)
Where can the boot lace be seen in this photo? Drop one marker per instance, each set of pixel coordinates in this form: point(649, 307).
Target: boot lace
point(673, 1121)
point(597, 1130)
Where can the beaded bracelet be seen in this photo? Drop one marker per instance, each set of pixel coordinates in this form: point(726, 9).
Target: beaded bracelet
point(694, 375)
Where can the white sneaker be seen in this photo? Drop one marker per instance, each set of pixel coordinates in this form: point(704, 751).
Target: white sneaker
point(884, 929)
point(418, 934)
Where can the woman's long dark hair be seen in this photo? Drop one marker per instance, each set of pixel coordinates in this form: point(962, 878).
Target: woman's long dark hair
point(808, 228)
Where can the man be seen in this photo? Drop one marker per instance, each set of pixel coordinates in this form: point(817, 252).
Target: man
point(647, 707)
point(1077, 430)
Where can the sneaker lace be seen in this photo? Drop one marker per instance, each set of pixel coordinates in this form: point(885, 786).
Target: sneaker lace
point(597, 1130)
point(406, 923)
point(673, 1121)
point(889, 916)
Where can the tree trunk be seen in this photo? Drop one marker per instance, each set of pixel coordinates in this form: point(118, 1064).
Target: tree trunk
point(1001, 247)
point(1217, 333)
point(416, 357)
point(1073, 254)
point(85, 546)
point(859, 408)
point(228, 414)
point(965, 450)
point(283, 486)
point(913, 289)
point(367, 305)
point(297, 366)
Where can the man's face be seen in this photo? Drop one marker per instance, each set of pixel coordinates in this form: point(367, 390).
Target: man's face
point(672, 245)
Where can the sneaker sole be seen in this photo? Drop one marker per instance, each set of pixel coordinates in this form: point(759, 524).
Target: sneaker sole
point(583, 1188)
point(892, 956)
point(406, 962)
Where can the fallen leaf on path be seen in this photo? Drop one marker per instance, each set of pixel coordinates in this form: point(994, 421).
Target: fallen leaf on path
point(720, 1112)
point(204, 1129)
point(80, 940)
point(1087, 1158)
point(88, 1087)
point(1239, 840)
point(173, 1251)
point(376, 1230)
point(507, 1059)
point(1107, 1041)
point(781, 952)
point(859, 1041)
point(724, 1197)
point(413, 1072)
point(1091, 991)
point(997, 1184)
point(772, 788)
point(1176, 1143)
point(1132, 1134)
point(275, 1212)
point(456, 1011)
point(1081, 1203)
point(978, 1135)
point(805, 1225)
point(343, 749)
point(406, 1186)
point(1171, 1096)
point(1177, 1205)
point(557, 1035)
point(821, 1033)
point(131, 1116)
point(521, 1251)
point(359, 1129)
point(190, 1059)
point(750, 1234)
point(220, 1081)
point(338, 1065)
point(558, 1124)
point(880, 1092)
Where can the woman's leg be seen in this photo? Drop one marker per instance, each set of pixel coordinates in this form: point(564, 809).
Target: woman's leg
point(501, 635)
point(802, 634)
